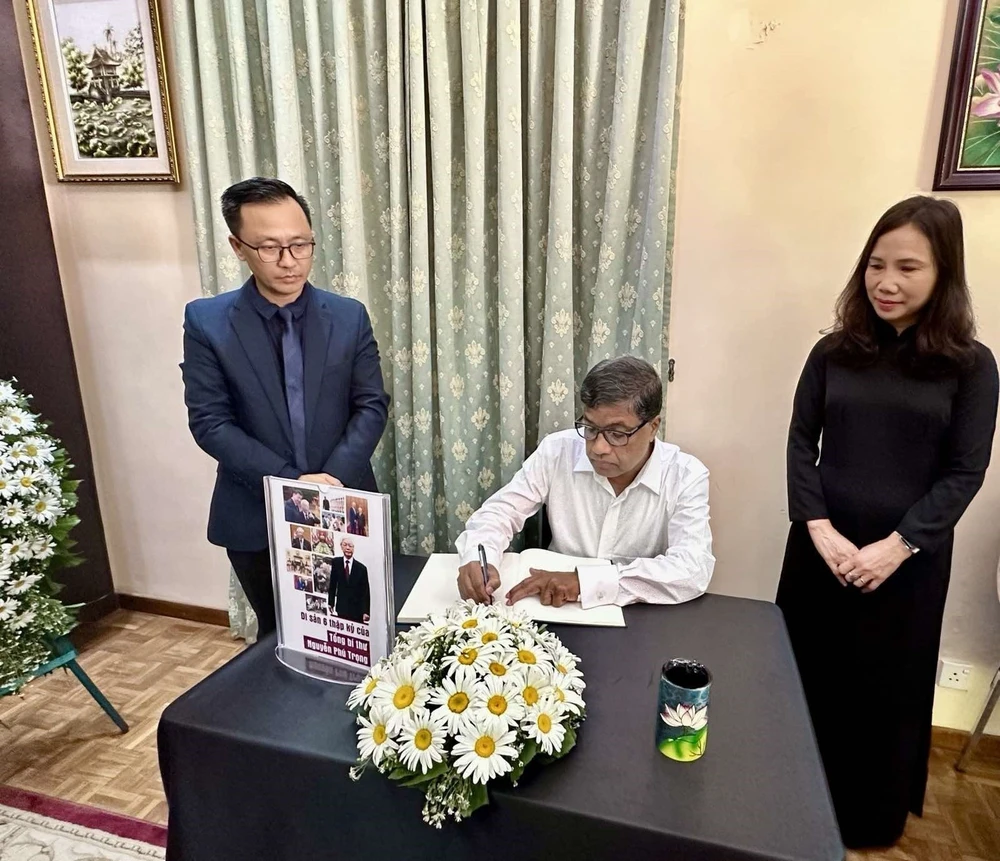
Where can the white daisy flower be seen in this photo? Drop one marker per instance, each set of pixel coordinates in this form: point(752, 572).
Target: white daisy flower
point(362, 694)
point(468, 656)
point(14, 551)
point(42, 548)
point(503, 664)
point(484, 754)
point(544, 723)
point(565, 663)
point(22, 420)
point(494, 631)
point(22, 584)
point(431, 628)
point(374, 739)
point(45, 510)
point(533, 685)
point(472, 619)
point(421, 743)
point(455, 697)
point(39, 450)
point(498, 703)
point(571, 699)
point(515, 617)
point(530, 654)
point(402, 690)
point(22, 621)
point(5, 570)
point(8, 608)
point(7, 393)
point(7, 486)
point(12, 513)
point(26, 482)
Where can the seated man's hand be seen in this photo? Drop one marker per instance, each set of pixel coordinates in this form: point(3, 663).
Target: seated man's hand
point(551, 587)
point(470, 582)
point(321, 478)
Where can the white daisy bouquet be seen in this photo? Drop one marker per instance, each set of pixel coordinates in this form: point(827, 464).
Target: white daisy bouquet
point(467, 698)
point(36, 501)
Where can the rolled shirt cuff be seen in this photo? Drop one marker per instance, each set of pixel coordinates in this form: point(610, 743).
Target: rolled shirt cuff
point(598, 584)
point(471, 554)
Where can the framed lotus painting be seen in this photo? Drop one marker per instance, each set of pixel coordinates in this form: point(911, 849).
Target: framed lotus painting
point(104, 88)
point(969, 153)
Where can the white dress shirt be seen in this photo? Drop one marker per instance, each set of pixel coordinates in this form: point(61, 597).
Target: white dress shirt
point(655, 533)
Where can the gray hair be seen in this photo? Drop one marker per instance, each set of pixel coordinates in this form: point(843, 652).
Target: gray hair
point(625, 380)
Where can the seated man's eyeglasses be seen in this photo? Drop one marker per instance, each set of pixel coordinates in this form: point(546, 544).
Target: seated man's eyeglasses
point(614, 437)
point(271, 253)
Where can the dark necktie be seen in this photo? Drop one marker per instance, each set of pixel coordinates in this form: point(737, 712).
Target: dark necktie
point(291, 351)
point(347, 570)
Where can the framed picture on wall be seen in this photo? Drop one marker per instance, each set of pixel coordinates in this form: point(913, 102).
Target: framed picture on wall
point(969, 152)
point(104, 87)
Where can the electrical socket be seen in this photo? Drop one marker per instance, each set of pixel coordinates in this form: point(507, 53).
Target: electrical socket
point(954, 674)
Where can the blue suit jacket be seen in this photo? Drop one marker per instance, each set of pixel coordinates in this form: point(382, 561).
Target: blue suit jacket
point(238, 414)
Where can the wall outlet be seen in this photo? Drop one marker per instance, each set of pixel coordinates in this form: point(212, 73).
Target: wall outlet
point(954, 674)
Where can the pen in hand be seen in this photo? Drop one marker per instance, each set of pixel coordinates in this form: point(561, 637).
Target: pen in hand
point(486, 576)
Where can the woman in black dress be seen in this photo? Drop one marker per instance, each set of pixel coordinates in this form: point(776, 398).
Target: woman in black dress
point(905, 401)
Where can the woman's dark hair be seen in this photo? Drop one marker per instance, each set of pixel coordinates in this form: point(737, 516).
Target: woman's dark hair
point(944, 333)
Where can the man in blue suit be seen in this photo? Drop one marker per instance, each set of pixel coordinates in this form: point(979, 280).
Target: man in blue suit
point(279, 379)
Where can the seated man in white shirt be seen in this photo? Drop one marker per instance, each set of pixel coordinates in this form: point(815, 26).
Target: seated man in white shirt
point(612, 491)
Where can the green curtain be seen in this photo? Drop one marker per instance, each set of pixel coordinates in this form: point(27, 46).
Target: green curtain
point(493, 178)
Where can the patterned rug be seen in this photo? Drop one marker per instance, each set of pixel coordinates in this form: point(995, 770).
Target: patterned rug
point(37, 828)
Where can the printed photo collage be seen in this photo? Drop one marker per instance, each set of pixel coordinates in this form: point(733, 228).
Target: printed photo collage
point(328, 532)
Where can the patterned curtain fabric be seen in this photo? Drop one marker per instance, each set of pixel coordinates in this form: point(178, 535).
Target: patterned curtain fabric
point(493, 178)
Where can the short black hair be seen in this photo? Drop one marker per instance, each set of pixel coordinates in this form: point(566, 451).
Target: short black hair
point(624, 380)
point(257, 189)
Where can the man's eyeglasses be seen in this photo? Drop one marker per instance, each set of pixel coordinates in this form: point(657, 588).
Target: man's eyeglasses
point(616, 438)
point(272, 253)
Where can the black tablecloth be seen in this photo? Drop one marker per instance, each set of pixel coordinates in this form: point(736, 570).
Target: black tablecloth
point(255, 760)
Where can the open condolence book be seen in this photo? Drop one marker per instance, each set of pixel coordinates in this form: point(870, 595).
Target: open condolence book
point(436, 589)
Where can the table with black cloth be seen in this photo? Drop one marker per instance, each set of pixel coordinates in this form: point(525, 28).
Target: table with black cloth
point(255, 760)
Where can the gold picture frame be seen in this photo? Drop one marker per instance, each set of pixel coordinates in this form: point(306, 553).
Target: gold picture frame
point(107, 103)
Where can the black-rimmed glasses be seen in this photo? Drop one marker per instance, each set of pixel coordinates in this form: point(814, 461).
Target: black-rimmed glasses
point(616, 438)
point(271, 253)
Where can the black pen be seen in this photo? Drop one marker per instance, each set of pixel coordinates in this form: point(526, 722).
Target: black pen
point(486, 576)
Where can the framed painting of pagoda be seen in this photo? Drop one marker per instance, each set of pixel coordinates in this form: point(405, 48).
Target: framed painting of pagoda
point(104, 88)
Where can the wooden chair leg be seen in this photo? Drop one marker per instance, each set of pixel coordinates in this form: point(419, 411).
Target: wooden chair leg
point(977, 733)
point(95, 692)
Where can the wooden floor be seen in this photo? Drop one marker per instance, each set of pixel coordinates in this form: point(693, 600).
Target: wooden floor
point(55, 740)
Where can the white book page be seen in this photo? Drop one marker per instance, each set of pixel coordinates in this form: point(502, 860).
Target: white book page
point(436, 589)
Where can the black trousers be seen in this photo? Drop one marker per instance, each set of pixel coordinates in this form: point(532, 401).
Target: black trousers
point(253, 569)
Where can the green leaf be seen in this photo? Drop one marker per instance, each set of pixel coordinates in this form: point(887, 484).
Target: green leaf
point(437, 770)
point(479, 798)
point(686, 748)
point(569, 742)
point(400, 773)
point(527, 754)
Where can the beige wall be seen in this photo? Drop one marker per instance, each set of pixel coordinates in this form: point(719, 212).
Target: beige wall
point(128, 265)
point(791, 146)
point(789, 151)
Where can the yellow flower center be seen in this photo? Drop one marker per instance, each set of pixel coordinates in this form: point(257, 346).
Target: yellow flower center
point(526, 657)
point(530, 695)
point(544, 722)
point(498, 669)
point(26, 481)
point(470, 623)
point(489, 637)
point(560, 695)
point(403, 697)
point(485, 746)
point(41, 505)
point(467, 657)
point(561, 669)
point(31, 450)
point(422, 740)
point(379, 735)
point(372, 684)
point(497, 704)
point(458, 702)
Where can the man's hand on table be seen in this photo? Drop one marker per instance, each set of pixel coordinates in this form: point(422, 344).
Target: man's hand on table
point(553, 588)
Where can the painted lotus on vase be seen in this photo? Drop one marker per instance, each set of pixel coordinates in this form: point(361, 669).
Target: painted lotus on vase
point(690, 731)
